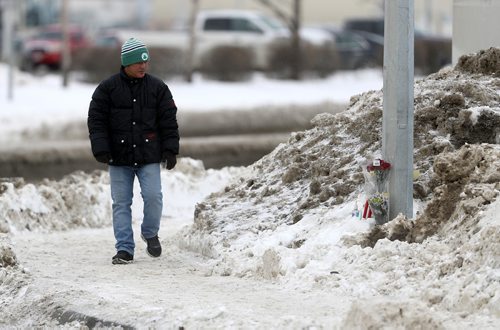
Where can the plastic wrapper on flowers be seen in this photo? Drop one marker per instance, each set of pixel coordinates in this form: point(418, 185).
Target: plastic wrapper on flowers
point(379, 205)
point(376, 174)
point(379, 169)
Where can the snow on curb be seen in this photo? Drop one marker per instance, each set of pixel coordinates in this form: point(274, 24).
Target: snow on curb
point(78, 200)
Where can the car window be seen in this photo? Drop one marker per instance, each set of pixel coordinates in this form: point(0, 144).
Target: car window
point(50, 35)
point(217, 24)
point(57, 35)
point(348, 40)
point(244, 25)
point(230, 24)
point(271, 22)
point(107, 41)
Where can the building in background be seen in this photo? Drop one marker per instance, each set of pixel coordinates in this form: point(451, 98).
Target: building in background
point(475, 26)
point(434, 17)
point(431, 16)
point(97, 14)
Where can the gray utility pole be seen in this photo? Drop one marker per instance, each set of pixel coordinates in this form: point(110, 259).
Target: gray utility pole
point(397, 127)
point(195, 4)
point(66, 53)
point(143, 13)
point(9, 17)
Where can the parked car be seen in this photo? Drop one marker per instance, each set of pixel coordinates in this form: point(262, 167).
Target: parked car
point(247, 29)
point(372, 25)
point(353, 50)
point(375, 43)
point(431, 52)
point(44, 49)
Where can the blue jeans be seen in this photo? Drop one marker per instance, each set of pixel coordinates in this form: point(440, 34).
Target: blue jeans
point(122, 186)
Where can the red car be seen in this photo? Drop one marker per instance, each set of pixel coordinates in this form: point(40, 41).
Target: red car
point(45, 48)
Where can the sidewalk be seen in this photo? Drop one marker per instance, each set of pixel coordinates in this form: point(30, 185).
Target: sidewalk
point(73, 270)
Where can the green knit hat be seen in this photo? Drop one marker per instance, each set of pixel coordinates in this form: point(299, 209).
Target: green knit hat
point(134, 51)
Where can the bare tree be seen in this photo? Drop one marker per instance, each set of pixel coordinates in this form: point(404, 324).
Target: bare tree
point(293, 22)
point(380, 4)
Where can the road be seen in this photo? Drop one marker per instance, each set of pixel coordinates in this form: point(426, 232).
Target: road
point(218, 138)
point(54, 159)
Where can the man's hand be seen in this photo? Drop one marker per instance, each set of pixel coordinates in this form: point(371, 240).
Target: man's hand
point(103, 157)
point(169, 159)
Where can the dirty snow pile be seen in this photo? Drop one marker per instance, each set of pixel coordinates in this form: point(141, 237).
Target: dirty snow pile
point(82, 200)
point(290, 219)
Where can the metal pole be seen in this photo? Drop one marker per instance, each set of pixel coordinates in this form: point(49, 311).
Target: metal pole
point(143, 13)
point(397, 127)
point(66, 53)
point(429, 21)
point(8, 17)
point(12, 65)
point(192, 40)
point(5, 6)
point(296, 42)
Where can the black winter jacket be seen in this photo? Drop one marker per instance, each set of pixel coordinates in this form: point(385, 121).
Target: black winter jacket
point(133, 120)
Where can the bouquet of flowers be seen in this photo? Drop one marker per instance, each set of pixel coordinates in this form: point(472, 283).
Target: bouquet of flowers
point(380, 169)
point(379, 204)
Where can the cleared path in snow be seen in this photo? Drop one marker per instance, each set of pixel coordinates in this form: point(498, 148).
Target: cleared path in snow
point(74, 269)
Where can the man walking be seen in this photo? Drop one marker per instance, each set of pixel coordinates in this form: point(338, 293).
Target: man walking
point(132, 124)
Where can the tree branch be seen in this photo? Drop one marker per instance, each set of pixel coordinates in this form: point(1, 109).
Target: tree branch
point(278, 12)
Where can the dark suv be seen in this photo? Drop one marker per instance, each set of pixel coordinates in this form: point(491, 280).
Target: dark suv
point(431, 52)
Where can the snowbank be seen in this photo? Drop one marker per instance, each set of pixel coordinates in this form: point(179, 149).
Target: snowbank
point(78, 200)
point(82, 200)
point(290, 219)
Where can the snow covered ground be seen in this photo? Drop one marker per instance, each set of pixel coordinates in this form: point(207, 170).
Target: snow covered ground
point(276, 244)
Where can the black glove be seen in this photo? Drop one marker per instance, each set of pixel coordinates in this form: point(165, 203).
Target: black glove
point(169, 159)
point(103, 157)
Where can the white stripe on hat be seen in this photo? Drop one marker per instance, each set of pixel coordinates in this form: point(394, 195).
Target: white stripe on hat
point(131, 45)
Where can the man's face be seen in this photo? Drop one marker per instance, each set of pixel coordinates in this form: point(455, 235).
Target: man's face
point(136, 70)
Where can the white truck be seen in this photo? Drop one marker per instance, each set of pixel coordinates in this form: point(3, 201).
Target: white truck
point(213, 28)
